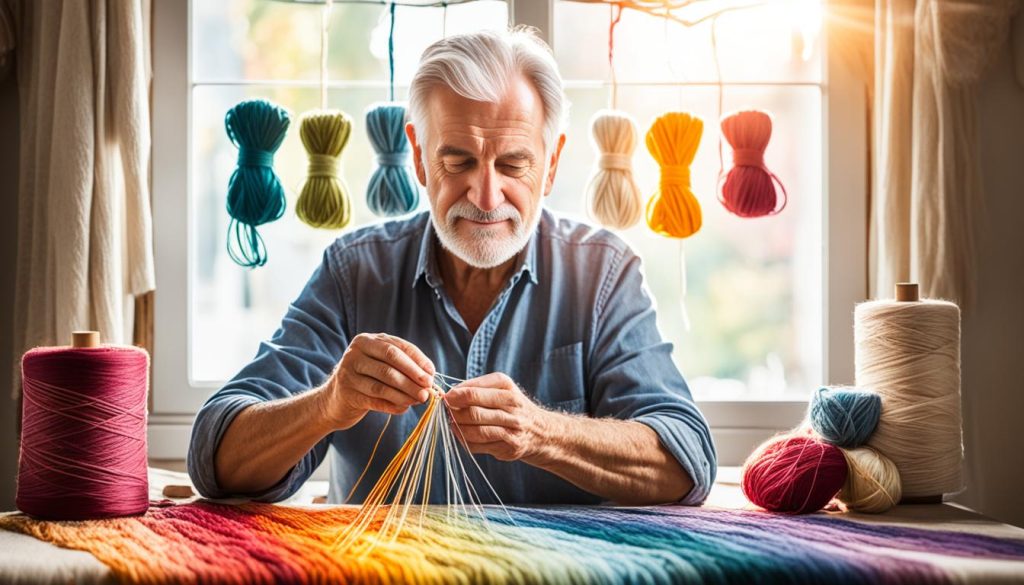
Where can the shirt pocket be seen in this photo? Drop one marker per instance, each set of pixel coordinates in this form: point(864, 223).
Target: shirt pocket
point(558, 378)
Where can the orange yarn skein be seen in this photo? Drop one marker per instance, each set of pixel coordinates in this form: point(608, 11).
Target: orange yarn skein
point(673, 139)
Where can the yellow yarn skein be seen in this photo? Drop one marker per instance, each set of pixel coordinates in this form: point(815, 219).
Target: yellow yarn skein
point(324, 201)
point(673, 139)
point(612, 194)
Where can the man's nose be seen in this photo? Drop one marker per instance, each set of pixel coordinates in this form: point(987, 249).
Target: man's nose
point(486, 192)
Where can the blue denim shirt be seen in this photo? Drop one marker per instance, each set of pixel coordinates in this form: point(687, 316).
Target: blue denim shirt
point(574, 327)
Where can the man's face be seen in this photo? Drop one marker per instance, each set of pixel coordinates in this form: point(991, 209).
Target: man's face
point(485, 171)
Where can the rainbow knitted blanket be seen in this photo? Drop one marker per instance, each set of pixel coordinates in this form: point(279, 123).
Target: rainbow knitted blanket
point(262, 543)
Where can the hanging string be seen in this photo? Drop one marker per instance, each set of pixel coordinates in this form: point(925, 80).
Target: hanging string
point(683, 288)
point(324, 201)
point(325, 24)
point(611, 52)
point(391, 55)
point(444, 20)
point(720, 86)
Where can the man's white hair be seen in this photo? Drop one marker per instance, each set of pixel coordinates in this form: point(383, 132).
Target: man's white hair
point(479, 66)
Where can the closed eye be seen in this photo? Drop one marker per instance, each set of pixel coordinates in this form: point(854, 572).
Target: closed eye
point(458, 163)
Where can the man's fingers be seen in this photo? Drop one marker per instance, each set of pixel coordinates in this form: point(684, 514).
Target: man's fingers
point(463, 396)
point(497, 449)
point(384, 373)
point(383, 349)
point(384, 406)
point(375, 389)
point(414, 352)
point(473, 434)
point(492, 380)
point(475, 415)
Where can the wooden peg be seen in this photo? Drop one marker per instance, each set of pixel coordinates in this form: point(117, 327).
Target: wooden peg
point(906, 292)
point(85, 339)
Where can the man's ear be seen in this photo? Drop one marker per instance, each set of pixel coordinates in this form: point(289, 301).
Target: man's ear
point(417, 154)
point(549, 181)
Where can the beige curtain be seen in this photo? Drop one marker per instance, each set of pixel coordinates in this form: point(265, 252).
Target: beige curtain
point(929, 57)
point(84, 226)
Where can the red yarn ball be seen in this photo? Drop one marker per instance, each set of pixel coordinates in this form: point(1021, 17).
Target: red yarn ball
point(795, 473)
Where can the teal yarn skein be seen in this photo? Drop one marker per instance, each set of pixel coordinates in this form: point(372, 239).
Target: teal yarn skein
point(392, 189)
point(845, 417)
point(255, 195)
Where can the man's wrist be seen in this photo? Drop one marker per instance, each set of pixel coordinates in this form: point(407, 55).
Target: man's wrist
point(330, 410)
point(550, 432)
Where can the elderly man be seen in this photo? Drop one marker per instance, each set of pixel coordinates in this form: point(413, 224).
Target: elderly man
point(571, 393)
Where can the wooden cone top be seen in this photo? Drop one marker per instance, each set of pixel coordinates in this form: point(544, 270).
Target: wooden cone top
point(85, 339)
point(906, 292)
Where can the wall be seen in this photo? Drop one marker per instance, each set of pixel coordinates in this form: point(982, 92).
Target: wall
point(8, 229)
point(993, 331)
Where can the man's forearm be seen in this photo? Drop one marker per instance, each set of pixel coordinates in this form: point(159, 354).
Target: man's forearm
point(267, 439)
point(623, 461)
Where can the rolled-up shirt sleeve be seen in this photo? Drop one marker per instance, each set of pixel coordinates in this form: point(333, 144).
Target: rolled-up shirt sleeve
point(300, 356)
point(632, 375)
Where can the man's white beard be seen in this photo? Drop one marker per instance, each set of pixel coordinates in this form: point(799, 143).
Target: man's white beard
point(481, 248)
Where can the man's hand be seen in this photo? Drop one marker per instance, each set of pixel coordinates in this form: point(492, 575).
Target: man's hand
point(378, 372)
point(496, 418)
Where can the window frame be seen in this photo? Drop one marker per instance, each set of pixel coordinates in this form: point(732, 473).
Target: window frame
point(737, 426)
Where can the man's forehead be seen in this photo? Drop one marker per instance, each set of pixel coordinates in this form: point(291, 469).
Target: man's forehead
point(518, 113)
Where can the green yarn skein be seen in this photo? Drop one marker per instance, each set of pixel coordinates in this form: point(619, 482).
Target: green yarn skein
point(255, 195)
point(392, 189)
point(324, 200)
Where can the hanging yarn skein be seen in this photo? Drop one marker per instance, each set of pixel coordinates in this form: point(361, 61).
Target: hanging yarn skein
point(613, 197)
point(908, 351)
point(749, 187)
point(672, 140)
point(255, 195)
point(392, 189)
point(324, 201)
point(83, 441)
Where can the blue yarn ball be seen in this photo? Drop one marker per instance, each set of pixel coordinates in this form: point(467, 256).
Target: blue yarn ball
point(845, 417)
point(392, 189)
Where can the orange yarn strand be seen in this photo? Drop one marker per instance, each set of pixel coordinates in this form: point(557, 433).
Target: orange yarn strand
point(673, 210)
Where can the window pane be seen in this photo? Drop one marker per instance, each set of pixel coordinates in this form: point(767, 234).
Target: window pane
point(279, 40)
point(753, 285)
point(234, 307)
point(773, 41)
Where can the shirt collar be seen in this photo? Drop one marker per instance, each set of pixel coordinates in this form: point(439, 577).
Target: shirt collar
point(426, 263)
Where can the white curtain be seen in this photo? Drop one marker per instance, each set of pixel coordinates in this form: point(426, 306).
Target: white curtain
point(84, 223)
point(929, 57)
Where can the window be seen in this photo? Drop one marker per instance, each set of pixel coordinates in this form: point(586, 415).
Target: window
point(271, 49)
point(770, 300)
